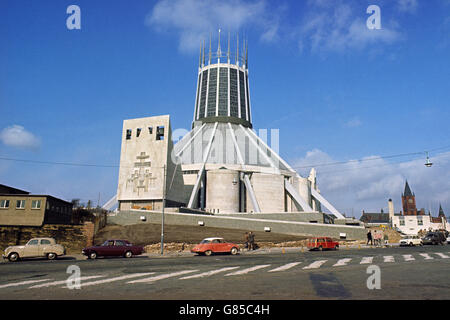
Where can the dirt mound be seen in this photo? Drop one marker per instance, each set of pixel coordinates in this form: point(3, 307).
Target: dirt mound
point(393, 236)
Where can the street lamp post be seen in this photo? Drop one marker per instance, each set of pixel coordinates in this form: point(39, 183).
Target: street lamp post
point(162, 215)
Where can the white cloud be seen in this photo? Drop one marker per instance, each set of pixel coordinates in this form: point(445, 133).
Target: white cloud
point(408, 6)
point(367, 184)
point(193, 20)
point(17, 136)
point(353, 123)
point(335, 26)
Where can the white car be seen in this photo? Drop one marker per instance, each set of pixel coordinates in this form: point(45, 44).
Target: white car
point(411, 241)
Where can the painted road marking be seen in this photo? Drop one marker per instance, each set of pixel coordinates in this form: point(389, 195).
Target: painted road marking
point(366, 260)
point(128, 276)
point(315, 264)
point(408, 257)
point(15, 284)
point(163, 276)
point(443, 256)
point(56, 283)
point(285, 267)
point(426, 256)
point(245, 271)
point(342, 262)
point(389, 259)
point(209, 273)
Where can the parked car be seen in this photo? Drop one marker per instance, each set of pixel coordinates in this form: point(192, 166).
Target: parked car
point(212, 245)
point(448, 240)
point(118, 248)
point(322, 243)
point(434, 238)
point(36, 247)
point(411, 240)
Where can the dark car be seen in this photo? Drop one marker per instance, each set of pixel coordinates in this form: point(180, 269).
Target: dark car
point(118, 248)
point(434, 238)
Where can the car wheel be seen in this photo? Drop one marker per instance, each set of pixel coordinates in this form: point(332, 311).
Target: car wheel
point(234, 251)
point(128, 254)
point(93, 255)
point(13, 257)
point(51, 256)
point(208, 252)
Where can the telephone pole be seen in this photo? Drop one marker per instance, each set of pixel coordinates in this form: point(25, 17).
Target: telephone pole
point(162, 215)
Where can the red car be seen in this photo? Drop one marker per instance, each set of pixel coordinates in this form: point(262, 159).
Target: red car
point(209, 246)
point(322, 243)
point(118, 248)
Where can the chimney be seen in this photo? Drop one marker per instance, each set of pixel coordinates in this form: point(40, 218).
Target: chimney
point(391, 209)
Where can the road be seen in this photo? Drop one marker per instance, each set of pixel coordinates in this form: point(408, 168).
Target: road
point(405, 273)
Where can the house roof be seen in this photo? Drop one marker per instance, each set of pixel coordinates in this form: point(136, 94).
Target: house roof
point(35, 196)
point(11, 190)
point(375, 217)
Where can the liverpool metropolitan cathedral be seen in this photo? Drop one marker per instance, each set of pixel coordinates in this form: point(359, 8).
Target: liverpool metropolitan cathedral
point(222, 166)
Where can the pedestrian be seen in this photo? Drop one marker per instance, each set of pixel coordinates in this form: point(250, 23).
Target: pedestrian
point(386, 239)
point(251, 239)
point(369, 238)
point(246, 244)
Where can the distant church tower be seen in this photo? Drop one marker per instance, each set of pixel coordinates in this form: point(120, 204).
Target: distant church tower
point(409, 202)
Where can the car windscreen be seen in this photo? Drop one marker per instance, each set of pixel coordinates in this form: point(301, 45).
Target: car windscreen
point(205, 241)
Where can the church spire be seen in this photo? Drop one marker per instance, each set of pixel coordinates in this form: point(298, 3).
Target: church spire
point(441, 212)
point(407, 192)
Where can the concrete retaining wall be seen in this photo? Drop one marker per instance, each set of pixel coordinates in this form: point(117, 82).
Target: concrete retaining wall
point(246, 222)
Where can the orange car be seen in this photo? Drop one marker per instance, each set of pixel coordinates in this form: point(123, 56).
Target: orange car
point(322, 243)
point(209, 246)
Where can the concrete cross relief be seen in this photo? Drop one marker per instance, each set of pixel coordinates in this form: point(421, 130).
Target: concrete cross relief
point(141, 178)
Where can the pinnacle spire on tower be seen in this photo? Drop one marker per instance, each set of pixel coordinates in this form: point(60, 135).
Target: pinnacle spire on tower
point(407, 192)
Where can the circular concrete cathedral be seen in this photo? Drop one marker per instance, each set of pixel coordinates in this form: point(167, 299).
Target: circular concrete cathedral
point(227, 167)
point(222, 165)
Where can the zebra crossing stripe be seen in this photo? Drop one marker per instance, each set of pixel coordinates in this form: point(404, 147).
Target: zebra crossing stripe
point(315, 264)
point(56, 283)
point(342, 262)
point(408, 257)
point(245, 271)
point(15, 284)
point(163, 276)
point(443, 256)
point(209, 273)
point(285, 267)
point(366, 260)
point(426, 256)
point(128, 276)
point(389, 259)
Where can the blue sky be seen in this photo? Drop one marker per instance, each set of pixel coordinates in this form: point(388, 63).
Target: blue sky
point(336, 90)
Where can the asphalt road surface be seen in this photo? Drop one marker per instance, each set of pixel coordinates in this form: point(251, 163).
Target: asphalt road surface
point(404, 273)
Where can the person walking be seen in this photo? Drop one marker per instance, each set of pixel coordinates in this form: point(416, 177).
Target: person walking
point(369, 238)
point(246, 244)
point(251, 239)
